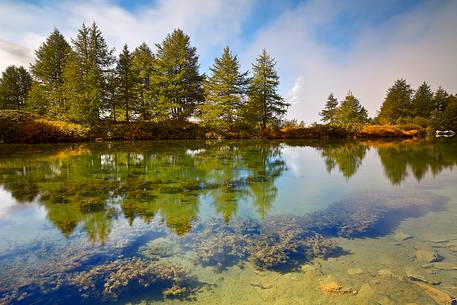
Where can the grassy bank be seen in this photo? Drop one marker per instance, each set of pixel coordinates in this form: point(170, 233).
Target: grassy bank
point(24, 127)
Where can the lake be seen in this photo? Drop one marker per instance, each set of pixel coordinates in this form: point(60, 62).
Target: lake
point(229, 222)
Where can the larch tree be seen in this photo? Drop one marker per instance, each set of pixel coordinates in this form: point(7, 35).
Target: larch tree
point(125, 79)
point(329, 112)
point(397, 103)
point(143, 67)
point(225, 92)
point(88, 84)
point(15, 84)
point(265, 106)
point(47, 71)
point(176, 77)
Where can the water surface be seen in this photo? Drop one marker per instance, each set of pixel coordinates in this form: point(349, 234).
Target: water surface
point(231, 222)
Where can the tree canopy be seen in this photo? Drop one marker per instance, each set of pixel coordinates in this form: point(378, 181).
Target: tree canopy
point(265, 106)
point(397, 103)
point(225, 92)
point(14, 86)
point(176, 77)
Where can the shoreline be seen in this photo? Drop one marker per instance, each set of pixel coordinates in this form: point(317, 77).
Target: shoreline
point(24, 128)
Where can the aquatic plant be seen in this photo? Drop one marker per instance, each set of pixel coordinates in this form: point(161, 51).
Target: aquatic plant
point(113, 278)
point(277, 241)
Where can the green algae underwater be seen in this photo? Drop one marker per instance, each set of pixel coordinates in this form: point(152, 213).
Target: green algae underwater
point(229, 222)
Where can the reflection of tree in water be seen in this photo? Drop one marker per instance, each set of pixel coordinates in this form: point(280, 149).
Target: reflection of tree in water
point(265, 163)
point(348, 156)
point(144, 181)
point(418, 157)
point(90, 185)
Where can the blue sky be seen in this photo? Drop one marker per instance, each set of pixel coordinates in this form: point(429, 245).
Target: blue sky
point(321, 46)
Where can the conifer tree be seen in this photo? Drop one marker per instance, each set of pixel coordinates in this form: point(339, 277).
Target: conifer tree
point(93, 67)
point(47, 70)
point(351, 111)
point(423, 101)
point(225, 92)
point(176, 77)
point(329, 112)
point(440, 99)
point(143, 67)
point(50, 58)
point(265, 105)
point(15, 84)
point(125, 82)
point(397, 103)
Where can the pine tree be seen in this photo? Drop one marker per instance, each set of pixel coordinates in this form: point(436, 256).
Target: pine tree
point(225, 92)
point(329, 112)
point(351, 111)
point(125, 80)
point(265, 105)
point(397, 103)
point(423, 101)
point(143, 67)
point(176, 77)
point(47, 70)
point(15, 84)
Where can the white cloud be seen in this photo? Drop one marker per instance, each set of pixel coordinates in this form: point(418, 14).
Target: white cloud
point(210, 23)
point(418, 45)
point(13, 54)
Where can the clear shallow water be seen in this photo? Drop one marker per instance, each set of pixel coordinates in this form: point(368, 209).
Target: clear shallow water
point(247, 222)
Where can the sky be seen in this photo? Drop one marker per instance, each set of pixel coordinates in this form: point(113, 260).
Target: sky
point(321, 46)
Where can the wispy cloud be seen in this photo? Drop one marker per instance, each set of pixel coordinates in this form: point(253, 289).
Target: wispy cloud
point(210, 23)
point(417, 45)
point(320, 46)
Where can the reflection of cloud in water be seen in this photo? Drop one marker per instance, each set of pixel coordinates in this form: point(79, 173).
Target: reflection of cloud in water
point(8, 204)
point(194, 152)
point(297, 160)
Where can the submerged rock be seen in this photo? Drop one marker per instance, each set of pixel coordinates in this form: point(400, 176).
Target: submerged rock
point(400, 236)
point(441, 266)
point(425, 256)
point(418, 277)
point(334, 288)
point(437, 295)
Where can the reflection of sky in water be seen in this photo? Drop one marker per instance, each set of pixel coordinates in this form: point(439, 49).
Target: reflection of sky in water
point(313, 178)
point(22, 224)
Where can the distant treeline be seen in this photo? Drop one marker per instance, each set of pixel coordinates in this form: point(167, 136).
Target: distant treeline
point(84, 82)
point(402, 105)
